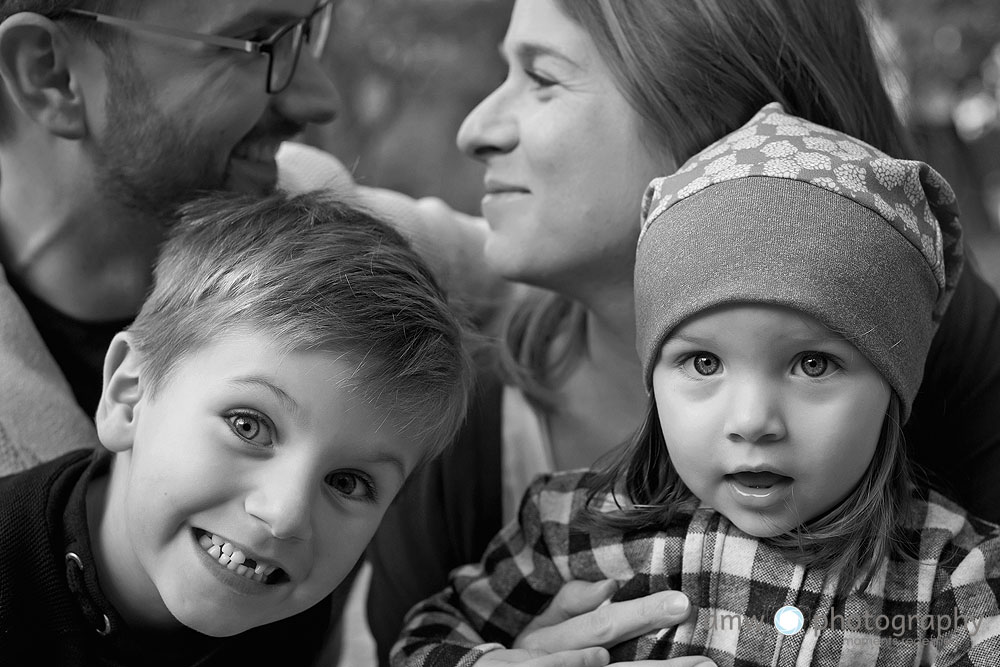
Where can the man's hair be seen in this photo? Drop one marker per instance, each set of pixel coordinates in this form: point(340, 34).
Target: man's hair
point(311, 274)
point(55, 8)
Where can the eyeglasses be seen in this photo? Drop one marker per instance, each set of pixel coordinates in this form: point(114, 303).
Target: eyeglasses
point(282, 48)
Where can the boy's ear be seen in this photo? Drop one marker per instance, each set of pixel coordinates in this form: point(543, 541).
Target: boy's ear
point(35, 65)
point(116, 412)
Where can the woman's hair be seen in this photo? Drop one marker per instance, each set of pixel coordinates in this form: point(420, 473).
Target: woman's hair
point(852, 538)
point(694, 71)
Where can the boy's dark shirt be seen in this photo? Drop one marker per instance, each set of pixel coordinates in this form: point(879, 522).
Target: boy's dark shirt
point(51, 609)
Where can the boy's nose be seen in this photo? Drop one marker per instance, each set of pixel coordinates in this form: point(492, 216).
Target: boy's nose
point(489, 129)
point(283, 498)
point(754, 414)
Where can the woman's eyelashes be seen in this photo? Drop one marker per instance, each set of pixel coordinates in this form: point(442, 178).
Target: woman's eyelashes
point(352, 484)
point(252, 427)
point(539, 80)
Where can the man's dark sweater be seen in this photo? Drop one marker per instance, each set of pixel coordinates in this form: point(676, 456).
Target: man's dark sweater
point(52, 610)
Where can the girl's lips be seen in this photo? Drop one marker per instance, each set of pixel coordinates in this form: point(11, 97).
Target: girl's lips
point(763, 479)
point(758, 489)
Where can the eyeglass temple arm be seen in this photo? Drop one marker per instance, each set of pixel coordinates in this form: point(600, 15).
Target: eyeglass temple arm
point(216, 40)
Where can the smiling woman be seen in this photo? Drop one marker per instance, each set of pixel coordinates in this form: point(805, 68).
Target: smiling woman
point(770, 469)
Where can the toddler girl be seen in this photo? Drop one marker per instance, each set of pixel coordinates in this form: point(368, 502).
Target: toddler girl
point(788, 282)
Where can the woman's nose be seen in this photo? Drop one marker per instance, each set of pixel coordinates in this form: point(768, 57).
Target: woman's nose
point(755, 414)
point(489, 129)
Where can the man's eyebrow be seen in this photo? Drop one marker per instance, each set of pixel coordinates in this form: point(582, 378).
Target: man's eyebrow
point(254, 19)
point(254, 381)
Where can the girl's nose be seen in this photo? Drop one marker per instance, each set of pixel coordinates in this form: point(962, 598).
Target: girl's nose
point(489, 129)
point(755, 414)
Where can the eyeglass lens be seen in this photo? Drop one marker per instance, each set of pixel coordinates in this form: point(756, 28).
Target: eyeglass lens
point(285, 53)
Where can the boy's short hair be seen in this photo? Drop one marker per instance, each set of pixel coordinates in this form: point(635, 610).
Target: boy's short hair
point(312, 274)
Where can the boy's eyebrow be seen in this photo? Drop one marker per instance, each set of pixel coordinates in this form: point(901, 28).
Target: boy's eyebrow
point(394, 461)
point(252, 381)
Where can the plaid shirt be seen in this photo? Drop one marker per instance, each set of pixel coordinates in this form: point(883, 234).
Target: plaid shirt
point(941, 609)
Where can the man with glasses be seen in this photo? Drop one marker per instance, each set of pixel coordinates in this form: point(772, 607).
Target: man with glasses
point(112, 113)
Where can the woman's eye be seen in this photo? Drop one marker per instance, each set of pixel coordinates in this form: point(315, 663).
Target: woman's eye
point(705, 363)
point(814, 364)
point(351, 485)
point(539, 80)
point(250, 427)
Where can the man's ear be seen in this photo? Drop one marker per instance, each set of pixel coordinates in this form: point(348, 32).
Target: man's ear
point(117, 414)
point(35, 65)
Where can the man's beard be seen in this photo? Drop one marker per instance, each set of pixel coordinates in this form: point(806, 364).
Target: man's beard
point(144, 162)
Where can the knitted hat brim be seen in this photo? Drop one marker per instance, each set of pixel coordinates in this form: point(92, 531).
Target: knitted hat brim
point(789, 243)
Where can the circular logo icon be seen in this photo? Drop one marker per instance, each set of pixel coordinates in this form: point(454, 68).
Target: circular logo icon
point(788, 620)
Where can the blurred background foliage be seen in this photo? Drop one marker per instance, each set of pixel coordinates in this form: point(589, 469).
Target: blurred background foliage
point(410, 70)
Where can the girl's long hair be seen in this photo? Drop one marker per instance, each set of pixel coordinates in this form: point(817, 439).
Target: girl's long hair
point(852, 539)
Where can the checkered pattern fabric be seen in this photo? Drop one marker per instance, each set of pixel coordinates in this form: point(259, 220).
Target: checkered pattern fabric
point(940, 609)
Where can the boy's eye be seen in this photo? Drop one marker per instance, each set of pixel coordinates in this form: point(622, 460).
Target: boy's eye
point(250, 427)
point(706, 363)
point(350, 484)
point(814, 364)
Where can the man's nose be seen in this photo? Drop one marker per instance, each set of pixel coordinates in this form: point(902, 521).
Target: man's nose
point(311, 96)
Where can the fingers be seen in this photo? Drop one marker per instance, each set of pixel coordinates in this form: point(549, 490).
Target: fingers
point(610, 624)
point(691, 661)
point(590, 657)
point(575, 598)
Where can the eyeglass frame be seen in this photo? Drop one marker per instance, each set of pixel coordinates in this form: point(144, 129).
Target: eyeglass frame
point(264, 46)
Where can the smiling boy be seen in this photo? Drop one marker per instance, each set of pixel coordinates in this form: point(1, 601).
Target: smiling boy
point(292, 365)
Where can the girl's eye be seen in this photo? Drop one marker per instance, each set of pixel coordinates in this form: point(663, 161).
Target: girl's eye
point(706, 363)
point(250, 427)
point(814, 364)
point(351, 484)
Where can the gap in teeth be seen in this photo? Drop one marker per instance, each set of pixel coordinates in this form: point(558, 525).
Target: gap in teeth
point(234, 559)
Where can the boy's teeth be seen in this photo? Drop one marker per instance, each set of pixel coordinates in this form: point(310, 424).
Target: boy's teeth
point(234, 559)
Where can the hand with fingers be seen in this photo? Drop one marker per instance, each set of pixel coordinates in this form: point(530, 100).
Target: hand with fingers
point(580, 624)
